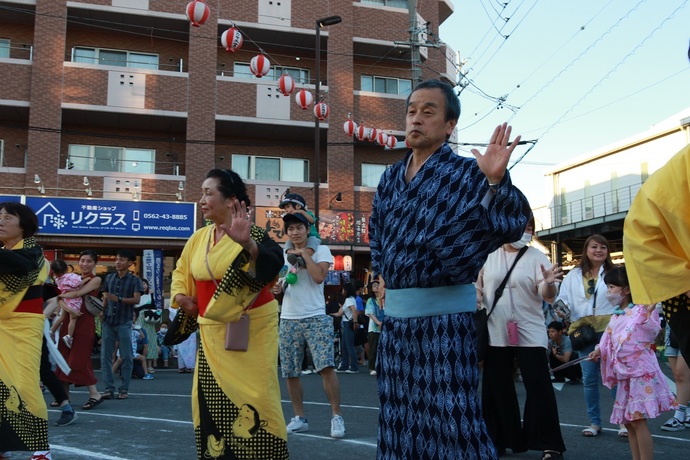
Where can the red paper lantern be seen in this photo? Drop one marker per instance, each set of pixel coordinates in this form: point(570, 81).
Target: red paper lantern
point(371, 134)
point(197, 12)
point(350, 127)
point(286, 84)
point(382, 138)
point(304, 98)
point(259, 65)
point(231, 40)
point(391, 142)
point(361, 132)
point(321, 110)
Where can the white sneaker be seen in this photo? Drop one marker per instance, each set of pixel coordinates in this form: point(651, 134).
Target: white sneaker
point(306, 372)
point(337, 427)
point(297, 425)
point(687, 421)
point(372, 372)
point(673, 424)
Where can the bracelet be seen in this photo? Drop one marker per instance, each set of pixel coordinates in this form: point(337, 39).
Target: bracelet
point(551, 284)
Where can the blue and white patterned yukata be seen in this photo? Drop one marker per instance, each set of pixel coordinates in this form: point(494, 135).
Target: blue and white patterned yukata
point(436, 231)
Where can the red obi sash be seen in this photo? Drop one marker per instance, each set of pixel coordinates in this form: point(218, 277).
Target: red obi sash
point(205, 290)
point(32, 301)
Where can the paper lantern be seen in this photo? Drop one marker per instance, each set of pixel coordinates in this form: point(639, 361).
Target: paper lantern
point(259, 65)
point(304, 98)
point(350, 127)
point(197, 12)
point(286, 84)
point(391, 142)
point(231, 40)
point(321, 110)
point(361, 132)
point(347, 263)
point(371, 134)
point(382, 138)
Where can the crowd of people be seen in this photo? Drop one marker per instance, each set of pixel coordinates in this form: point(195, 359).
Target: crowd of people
point(471, 227)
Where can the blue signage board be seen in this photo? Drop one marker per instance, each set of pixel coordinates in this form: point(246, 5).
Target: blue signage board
point(16, 198)
point(111, 218)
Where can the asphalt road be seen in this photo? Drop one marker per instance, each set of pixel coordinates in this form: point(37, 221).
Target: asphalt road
point(155, 423)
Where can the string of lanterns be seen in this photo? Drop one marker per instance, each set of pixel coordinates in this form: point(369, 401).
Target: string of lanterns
point(198, 12)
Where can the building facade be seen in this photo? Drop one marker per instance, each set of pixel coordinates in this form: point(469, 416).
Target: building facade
point(593, 193)
point(126, 101)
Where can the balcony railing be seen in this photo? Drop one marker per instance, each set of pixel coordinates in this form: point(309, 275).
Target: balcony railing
point(597, 206)
point(17, 51)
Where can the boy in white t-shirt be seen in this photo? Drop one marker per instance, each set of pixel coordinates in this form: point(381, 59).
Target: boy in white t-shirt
point(303, 322)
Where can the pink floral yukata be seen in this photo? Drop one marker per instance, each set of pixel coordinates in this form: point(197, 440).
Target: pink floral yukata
point(627, 360)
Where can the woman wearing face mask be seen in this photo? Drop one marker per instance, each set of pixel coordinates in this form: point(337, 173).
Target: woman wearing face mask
point(516, 332)
point(584, 291)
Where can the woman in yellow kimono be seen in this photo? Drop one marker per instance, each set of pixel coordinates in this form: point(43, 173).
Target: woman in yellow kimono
point(226, 272)
point(23, 270)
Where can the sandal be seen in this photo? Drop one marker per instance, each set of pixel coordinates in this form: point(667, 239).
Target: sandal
point(123, 395)
point(181, 371)
point(55, 404)
point(623, 432)
point(591, 431)
point(107, 394)
point(551, 455)
point(91, 403)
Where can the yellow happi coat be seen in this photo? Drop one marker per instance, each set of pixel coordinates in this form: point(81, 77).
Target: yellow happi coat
point(236, 405)
point(23, 414)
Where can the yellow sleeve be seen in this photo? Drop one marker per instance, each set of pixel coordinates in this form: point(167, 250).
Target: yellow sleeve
point(656, 235)
point(183, 279)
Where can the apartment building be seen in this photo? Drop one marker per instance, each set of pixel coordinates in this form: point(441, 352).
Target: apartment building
point(113, 111)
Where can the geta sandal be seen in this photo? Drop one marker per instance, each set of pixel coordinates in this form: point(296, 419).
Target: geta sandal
point(91, 403)
point(591, 431)
point(551, 455)
point(122, 395)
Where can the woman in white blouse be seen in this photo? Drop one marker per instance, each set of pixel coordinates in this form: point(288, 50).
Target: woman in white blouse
point(533, 280)
point(584, 291)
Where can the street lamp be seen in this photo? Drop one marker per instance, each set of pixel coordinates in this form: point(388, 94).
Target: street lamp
point(329, 21)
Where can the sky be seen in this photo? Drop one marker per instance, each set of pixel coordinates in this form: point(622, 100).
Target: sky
point(573, 75)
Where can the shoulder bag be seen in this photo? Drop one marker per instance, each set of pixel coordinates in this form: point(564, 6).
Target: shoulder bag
point(481, 317)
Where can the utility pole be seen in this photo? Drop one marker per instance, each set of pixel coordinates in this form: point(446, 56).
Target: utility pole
point(415, 45)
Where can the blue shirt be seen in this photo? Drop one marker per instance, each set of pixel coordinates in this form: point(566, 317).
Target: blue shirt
point(439, 229)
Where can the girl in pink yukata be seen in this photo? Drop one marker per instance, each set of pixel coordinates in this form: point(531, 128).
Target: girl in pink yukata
point(628, 361)
point(66, 282)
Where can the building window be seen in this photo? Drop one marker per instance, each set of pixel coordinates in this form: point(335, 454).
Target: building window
point(386, 85)
point(4, 48)
point(391, 3)
point(241, 70)
point(106, 158)
point(371, 174)
point(251, 167)
point(117, 58)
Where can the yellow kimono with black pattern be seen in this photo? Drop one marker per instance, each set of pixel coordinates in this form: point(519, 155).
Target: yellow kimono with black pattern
point(236, 406)
point(23, 414)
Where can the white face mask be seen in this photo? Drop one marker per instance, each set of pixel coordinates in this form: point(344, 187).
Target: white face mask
point(163, 330)
point(615, 298)
point(526, 238)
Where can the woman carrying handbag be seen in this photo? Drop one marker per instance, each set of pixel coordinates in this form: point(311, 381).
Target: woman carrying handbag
point(584, 292)
point(516, 332)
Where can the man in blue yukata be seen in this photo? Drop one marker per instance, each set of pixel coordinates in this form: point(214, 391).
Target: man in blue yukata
point(436, 216)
